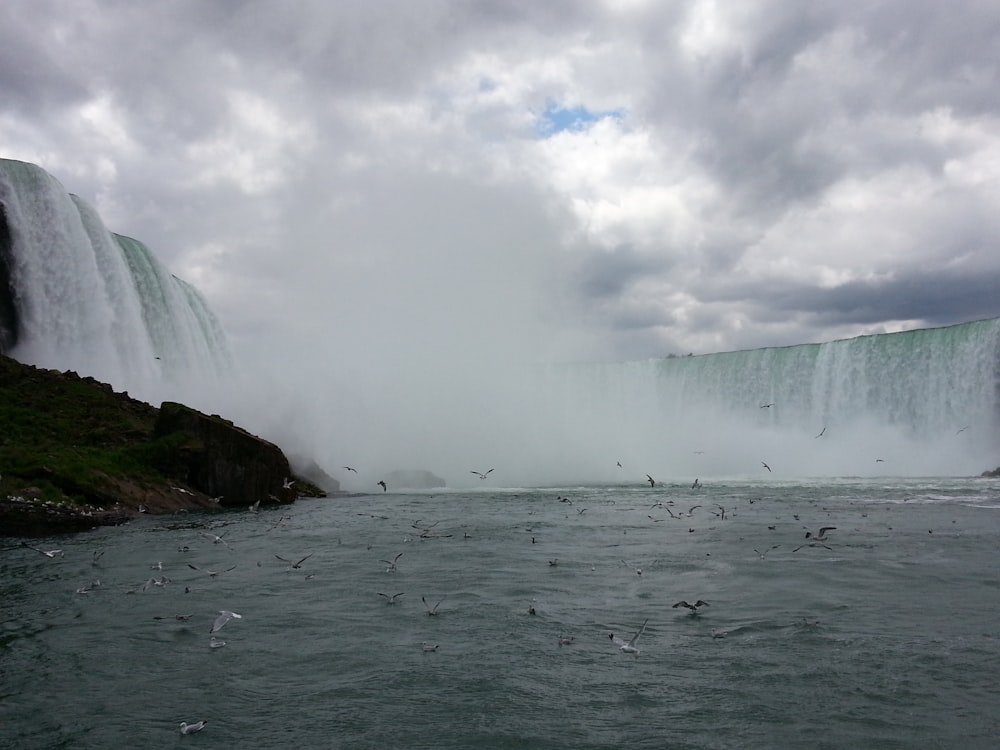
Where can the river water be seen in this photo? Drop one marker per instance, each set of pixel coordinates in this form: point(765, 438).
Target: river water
point(886, 637)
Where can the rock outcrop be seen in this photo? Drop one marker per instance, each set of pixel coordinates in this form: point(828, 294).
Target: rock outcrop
point(223, 461)
point(75, 454)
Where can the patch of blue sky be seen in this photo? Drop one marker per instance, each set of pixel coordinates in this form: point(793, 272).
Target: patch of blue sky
point(556, 119)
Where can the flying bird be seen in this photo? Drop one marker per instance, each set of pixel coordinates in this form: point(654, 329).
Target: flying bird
point(767, 406)
point(224, 616)
point(763, 554)
point(287, 483)
point(210, 573)
point(392, 564)
point(697, 484)
point(381, 484)
point(652, 482)
point(431, 611)
point(821, 536)
point(295, 565)
point(765, 465)
point(390, 599)
point(692, 607)
point(822, 432)
point(351, 468)
point(480, 474)
point(628, 647)
point(50, 553)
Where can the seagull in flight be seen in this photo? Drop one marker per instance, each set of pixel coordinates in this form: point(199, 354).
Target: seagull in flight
point(763, 554)
point(295, 565)
point(629, 647)
point(767, 406)
point(697, 484)
point(822, 432)
point(652, 482)
point(192, 728)
point(821, 536)
point(390, 599)
point(287, 483)
point(381, 484)
point(351, 468)
point(431, 611)
point(480, 474)
point(210, 573)
point(765, 465)
point(692, 607)
point(50, 553)
point(392, 564)
point(224, 616)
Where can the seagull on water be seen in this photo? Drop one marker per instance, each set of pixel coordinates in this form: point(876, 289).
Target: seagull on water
point(636, 568)
point(566, 641)
point(216, 539)
point(425, 646)
point(390, 599)
point(431, 611)
point(224, 616)
point(216, 642)
point(480, 474)
point(629, 647)
point(192, 728)
point(692, 607)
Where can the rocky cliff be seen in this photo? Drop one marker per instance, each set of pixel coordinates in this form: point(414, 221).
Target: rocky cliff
point(75, 454)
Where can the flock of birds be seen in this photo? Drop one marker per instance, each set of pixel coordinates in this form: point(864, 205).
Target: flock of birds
point(391, 566)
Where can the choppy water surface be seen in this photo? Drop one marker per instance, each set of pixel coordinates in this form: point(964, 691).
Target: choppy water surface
point(889, 639)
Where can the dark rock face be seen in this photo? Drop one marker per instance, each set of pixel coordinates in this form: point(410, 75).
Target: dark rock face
point(994, 474)
point(221, 460)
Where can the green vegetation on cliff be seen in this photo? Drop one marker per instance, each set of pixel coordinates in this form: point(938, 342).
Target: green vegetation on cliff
point(84, 454)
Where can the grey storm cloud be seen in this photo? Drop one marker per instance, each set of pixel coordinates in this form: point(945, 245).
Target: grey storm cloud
point(736, 175)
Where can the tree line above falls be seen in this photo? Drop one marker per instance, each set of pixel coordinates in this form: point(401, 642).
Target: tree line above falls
point(75, 454)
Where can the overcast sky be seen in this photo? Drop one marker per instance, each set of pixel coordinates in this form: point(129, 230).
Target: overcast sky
point(578, 180)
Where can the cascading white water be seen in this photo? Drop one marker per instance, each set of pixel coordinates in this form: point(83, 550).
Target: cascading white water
point(925, 401)
point(98, 303)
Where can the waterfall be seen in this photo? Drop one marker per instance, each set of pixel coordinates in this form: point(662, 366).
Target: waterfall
point(924, 401)
point(74, 296)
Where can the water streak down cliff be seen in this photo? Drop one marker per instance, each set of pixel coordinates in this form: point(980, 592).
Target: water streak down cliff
point(75, 296)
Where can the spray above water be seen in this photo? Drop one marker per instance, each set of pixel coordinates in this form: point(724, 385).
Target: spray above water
point(450, 387)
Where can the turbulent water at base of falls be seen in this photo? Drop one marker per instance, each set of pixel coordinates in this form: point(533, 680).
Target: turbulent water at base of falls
point(924, 401)
point(99, 303)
